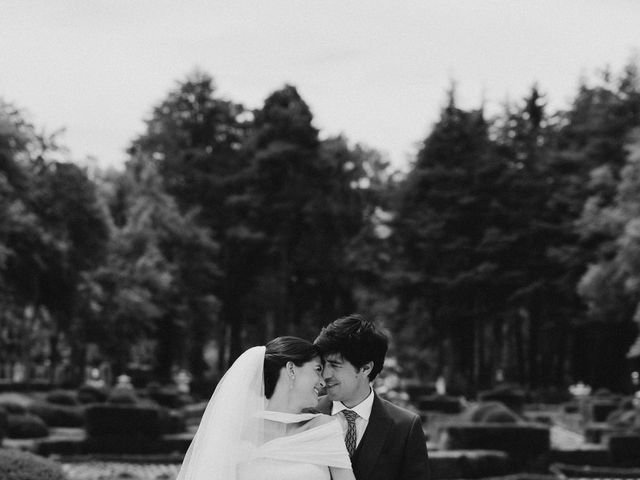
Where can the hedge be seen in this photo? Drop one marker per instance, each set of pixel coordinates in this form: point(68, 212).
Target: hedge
point(125, 420)
point(526, 444)
point(625, 449)
point(12, 407)
point(62, 397)
point(491, 412)
point(20, 465)
point(3, 423)
point(26, 426)
point(58, 415)
point(439, 403)
point(91, 394)
point(123, 396)
point(512, 397)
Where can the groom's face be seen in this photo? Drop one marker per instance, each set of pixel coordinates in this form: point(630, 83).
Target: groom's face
point(344, 382)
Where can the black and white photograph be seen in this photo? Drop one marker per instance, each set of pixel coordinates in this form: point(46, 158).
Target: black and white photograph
point(319, 239)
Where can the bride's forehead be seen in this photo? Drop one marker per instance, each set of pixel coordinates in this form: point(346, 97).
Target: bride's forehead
point(314, 362)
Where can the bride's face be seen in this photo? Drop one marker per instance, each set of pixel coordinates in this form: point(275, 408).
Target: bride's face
point(308, 383)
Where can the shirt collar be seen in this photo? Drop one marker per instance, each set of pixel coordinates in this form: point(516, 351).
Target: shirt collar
point(363, 409)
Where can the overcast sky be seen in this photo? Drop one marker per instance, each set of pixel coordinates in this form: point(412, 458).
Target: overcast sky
point(376, 71)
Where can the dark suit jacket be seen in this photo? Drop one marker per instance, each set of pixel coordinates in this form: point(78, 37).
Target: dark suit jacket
point(393, 446)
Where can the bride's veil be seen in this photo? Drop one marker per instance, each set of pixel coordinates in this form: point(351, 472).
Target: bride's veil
point(230, 427)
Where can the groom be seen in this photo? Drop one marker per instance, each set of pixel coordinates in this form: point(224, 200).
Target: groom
point(385, 442)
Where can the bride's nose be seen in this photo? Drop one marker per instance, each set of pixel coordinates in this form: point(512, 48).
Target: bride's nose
point(321, 382)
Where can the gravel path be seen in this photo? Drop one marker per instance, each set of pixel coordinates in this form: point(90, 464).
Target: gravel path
point(120, 471)
point(561, 438)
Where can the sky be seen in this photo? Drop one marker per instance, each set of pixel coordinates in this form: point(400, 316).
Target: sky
point(374, 71)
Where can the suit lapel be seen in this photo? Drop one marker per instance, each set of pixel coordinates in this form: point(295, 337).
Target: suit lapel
point(373, 440)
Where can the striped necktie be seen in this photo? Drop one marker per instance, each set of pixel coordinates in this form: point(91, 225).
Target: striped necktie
point(351, 437)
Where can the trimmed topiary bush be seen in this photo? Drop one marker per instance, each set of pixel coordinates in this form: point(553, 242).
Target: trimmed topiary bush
point(468, 464)
point(15, 402)
point(3, 423)
point(439, 403)
point(62, 397)
point(419, 390)
point(58, 415)
point(123, 429)
point(601, 408)
point(491, 412)
point(123, 396)
point(90, 394)
point(26, 426)
point(124, 420)
point(193, 413)
point(622, 418)
point(624, 449)
point(19, 465)
point(167, 396)
point(527, 445)
point(13, 407)
point(511, 396)
point(172, 421)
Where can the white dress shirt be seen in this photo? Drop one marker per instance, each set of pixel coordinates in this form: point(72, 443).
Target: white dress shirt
point(363, 409)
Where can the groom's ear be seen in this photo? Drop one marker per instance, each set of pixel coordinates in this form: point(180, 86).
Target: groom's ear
point(366, 368)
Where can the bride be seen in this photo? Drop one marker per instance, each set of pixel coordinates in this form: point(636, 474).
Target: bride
point(253, 428)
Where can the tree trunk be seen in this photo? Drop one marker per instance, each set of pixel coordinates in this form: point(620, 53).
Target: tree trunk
point(520, 324)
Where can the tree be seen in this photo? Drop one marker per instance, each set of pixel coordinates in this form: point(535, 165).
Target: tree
point(309, 200)
point(56, 230)
point(158, 280)
point(196, 140)
point(444, 213)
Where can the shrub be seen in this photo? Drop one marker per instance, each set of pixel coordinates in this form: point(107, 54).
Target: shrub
point(622, 418)
point(58, 415)
point(526, 445)
point(512, 397)
point(551, 395)
point(172, 421)
point(3, 423)
point(123, 396)
point(26, 426)
point(14, 408)
point(123, 429)
point(571, 407)
point(91, 394)
point(19, 465)
point(624, 448)
point(439, 403)
point(419, 390)
point(62, 397)
point(193, 413)
point(122, 420)
point(600, 409)
point(490, 412)
point(15, 402)
point(167, 396)
point(467, 463)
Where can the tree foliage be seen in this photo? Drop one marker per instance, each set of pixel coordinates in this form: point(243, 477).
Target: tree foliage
point(509, 247)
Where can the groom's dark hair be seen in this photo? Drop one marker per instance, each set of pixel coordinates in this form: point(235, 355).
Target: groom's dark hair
point(357, 340)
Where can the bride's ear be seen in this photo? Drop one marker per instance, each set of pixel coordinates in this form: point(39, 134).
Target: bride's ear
point(290, 370)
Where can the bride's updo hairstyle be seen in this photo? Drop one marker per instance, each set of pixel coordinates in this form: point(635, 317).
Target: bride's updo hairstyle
point(281, 350)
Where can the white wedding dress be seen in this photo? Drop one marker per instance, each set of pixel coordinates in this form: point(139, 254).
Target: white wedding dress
point(240, 439)
point(306, 454)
